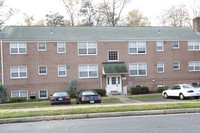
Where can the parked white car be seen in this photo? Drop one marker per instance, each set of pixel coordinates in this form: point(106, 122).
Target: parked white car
point(182, 91)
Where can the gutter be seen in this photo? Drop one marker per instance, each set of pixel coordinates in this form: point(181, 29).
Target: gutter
point(2, 74)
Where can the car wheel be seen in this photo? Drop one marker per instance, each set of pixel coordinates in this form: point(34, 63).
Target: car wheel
point(196, 97)
point(165, 96)
point(181, 96)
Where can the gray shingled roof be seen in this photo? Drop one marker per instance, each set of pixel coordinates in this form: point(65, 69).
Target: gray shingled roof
point(44, 33)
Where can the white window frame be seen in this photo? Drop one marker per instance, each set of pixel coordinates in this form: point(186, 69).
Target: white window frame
point(177, 65)
point(88, 70)
point(40, 92)
point(193, 44)
point(160, 85)
point(132, 43)
point(159, 44)
point(194, 65)
point(64, 70)
point(39, 70)
point(113, 51)
point(18, 72)
point(19, 93)
point(18, 47)
point(163, 66)
point(131, 67)
point(175, 45)
point(38, 46)
point(87, 47)
point(60, 45)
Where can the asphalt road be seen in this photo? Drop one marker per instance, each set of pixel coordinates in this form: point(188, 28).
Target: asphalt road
point(184, 123)
point(142, 100)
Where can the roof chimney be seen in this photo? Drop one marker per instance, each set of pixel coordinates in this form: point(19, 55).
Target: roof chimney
point(196, 24)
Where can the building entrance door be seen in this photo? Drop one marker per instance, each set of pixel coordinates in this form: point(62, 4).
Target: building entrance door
point(113, 83)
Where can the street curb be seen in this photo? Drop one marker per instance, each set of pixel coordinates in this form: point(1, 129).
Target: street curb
point(99, 115)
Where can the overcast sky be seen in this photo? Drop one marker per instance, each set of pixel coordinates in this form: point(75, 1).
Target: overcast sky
point(39, 8)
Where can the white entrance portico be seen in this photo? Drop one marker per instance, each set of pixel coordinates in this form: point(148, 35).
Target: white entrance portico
point(113, 72)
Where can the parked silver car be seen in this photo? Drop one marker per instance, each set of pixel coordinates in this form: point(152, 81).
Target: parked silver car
point(182, 91)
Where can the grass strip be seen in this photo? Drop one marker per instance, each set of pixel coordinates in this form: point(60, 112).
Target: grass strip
point(146, 97)
point(100, 110)
point(42, 104)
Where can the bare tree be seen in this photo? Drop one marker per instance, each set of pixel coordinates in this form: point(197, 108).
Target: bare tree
point(55, 19)
point(5, 12)
point(92, 15)
point(28, 19)
point(176, 16)
point(40, 23)
point(88, 12)
point(113, 9)
point(72, 7)
point(136, 18)
point(196, 8)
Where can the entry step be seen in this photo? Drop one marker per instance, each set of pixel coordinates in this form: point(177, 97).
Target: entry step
point(115, 93)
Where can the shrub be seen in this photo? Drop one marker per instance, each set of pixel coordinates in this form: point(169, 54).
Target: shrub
point(3, 93)
point(72, 94)
point(140, 90)
point(72, 86)
point(101, 92)
point(161, 89)
point(17, 99)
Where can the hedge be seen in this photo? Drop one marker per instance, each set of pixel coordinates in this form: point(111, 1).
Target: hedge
point(72, 94)
point(17, 99)
point(161, 89)
point(101, 92)
point(140, 90)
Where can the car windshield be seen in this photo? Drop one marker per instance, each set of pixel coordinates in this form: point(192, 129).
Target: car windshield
point(60, 94)
point(88, 93)
point(187, 86)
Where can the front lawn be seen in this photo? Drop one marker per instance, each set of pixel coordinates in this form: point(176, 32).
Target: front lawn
point(101, 109)
point(148, 96)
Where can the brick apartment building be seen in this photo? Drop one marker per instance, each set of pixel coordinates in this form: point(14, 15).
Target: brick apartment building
point(41, 60)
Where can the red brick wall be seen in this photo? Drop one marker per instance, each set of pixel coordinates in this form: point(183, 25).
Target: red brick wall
point(52, 59)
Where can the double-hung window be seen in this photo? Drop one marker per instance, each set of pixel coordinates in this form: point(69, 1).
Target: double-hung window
point(62, 71)
point(17, 48)
point(18, 72)
point(159, 46)
point(113, 55)
point(61, 47)
point(160, 67)
point(19, 94)
point(87, 48)
point(138, 69)
point(176, 65)
point(43, 94)
point(137, 47)
point(194, 66)
point(175, 44)
point(41, 46)
point(193, 45)
point(42, 70)
point(88, 71)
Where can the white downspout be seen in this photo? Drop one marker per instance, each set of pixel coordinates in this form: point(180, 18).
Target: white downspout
point(2, 77)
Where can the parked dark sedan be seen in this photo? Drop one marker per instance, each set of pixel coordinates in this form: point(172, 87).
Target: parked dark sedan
point(88, 96)
point(60, 97)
